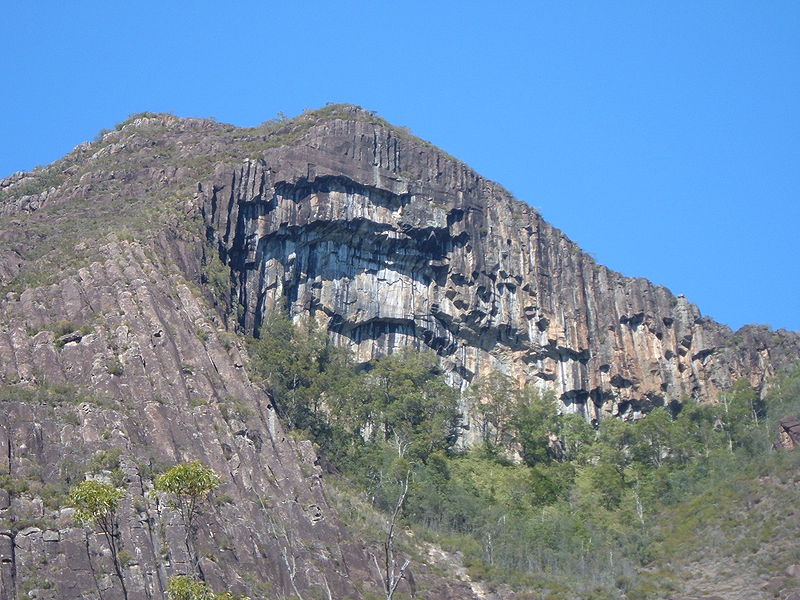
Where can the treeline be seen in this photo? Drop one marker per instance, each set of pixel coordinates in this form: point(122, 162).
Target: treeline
point(541, 498)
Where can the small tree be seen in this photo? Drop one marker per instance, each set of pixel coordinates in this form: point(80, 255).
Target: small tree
point(185, 587)
point(389, 573)
point(189, 483)
point(95, 503)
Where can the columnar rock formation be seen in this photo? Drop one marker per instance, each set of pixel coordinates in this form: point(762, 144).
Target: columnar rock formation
point(389, 243)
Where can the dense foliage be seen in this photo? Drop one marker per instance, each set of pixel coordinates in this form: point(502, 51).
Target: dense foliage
point(542, 498)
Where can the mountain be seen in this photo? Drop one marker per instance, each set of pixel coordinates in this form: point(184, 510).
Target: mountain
point(131, 269)
point(392, 243)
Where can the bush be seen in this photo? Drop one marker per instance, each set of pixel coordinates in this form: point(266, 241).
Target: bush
point(184, 587)
point(114, 366)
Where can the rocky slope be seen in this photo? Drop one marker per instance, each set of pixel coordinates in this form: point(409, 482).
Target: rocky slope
point(115, 364)
point(145, 377)
point(129, 268)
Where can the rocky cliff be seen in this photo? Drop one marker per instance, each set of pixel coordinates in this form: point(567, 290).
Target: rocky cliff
point(129, 268)
point(115, 364)
point(390, 242)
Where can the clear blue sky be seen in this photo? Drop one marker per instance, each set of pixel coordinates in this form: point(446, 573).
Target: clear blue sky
point(661, 136)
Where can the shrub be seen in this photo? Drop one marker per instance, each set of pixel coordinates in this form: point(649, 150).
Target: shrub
point(114, 366)
point(184, 587)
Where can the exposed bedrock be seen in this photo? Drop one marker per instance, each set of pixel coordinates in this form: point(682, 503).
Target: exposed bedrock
point(391, 243)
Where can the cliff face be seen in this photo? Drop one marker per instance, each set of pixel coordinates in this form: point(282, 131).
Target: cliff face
point(390, 243)
point(114, 364)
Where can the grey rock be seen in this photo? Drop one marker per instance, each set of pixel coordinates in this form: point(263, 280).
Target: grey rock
point(389, 244)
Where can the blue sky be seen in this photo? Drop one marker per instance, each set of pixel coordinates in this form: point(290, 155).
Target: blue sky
point(663, 137)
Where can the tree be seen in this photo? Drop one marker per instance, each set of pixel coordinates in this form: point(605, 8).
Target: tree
point(389, 573)
point(410, 404)
point(190, 483)
point(694, 431)
point(534, 422)
point(653, 438)
point(739, 413)
point(302, 371)
point(492, 401)
point(185, 587)
point(95, 503)
point(576, 436)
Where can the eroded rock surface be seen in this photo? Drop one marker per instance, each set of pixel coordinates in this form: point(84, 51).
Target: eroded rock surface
point(788, 433)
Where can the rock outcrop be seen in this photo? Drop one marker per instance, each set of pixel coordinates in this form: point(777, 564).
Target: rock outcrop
point(390, 243)
point(128, 268)
point(788, 433)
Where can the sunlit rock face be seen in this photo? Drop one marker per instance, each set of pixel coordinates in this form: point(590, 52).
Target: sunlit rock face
point(391, 243)
point(115, 365)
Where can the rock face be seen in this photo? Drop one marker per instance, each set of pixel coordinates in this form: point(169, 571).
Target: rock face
point(115, 364)
point(391, 243)
point(128, 268)
point(788, 434)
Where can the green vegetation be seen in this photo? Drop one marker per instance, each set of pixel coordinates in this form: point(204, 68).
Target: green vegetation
point(52, 484)
point(55, 394)
point(95, 504)
point(574, 513)
point(39, 180)
point(107, 463)
point(184, 587)
point(189, 484)
point(114, 366)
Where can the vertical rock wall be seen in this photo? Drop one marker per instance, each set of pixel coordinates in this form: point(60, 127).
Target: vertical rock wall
point(391, 243)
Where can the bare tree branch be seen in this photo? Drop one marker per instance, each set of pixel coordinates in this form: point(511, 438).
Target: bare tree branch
point(390, 576)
